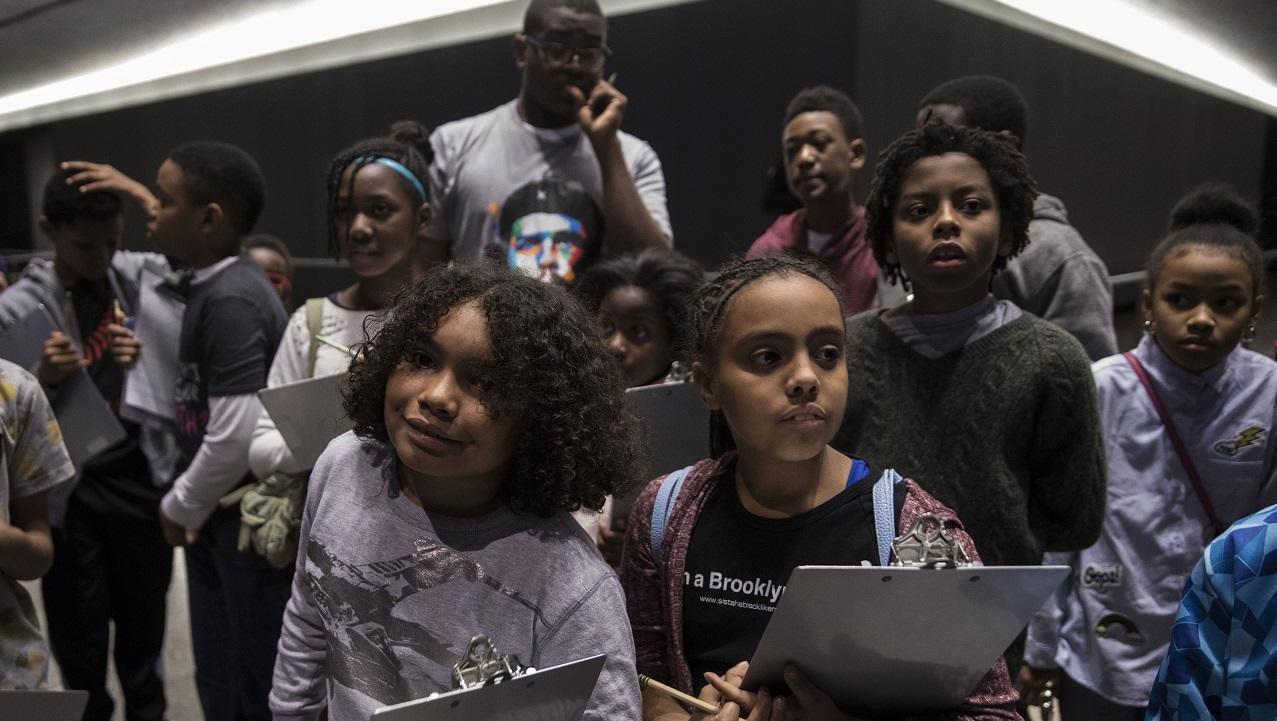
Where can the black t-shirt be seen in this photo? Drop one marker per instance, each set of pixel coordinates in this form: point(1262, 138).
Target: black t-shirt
point(232, 325)
point(117, 480)
point(738, 564)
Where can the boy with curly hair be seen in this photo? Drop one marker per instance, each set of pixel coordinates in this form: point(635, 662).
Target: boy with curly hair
point(485, 410)
point(967, 392)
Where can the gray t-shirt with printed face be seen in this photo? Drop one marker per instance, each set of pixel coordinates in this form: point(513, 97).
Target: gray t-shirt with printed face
point(480, 162)
point(34, 461)
point(387, 597)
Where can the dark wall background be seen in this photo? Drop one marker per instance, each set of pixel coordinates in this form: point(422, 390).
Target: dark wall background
point(1119, 147)
point(708, 82)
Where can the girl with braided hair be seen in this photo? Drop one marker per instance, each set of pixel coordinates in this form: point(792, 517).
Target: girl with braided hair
point(378, 211)
point(768, 352)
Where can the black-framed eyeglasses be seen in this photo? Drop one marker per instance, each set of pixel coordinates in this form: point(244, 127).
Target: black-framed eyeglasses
point(560, 53)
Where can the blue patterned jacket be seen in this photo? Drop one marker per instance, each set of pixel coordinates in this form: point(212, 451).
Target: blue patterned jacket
point(1222, 661)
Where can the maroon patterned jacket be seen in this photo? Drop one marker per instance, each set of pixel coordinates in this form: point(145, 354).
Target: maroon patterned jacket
point(654, 595)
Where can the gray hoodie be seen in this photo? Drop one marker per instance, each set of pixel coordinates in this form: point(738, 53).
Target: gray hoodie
point(39, 284)
point(1059, 278)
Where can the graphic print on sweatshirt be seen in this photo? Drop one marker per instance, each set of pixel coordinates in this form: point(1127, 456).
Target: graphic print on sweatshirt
point(381, 641)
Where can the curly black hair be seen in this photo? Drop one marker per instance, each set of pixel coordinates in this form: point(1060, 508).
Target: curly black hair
point(668, 275)
point(830, 100)
point(580, 441)
point(988, 103)
point(1008, 172)
point(64, 203)
point(407, 144)
point(708, 313)
point(1214, 216)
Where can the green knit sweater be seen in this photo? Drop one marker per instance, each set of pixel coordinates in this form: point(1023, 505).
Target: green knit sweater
point(1005, 431)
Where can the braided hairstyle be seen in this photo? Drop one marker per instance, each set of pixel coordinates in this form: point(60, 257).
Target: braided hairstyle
point(1214, 216)
point(407, 144)
point(996, 153)
point(708, 313)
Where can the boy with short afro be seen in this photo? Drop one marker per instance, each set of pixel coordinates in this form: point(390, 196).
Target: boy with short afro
point(111, 564)
point(210, 197)
point(823, 150)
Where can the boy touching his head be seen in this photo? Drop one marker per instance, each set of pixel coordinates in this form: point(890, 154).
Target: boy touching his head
point(111, 564)
point(823, 150)
point(211, 195)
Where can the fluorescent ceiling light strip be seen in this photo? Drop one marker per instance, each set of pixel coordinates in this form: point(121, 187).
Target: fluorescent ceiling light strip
point(307, 23)
point(1126, 30)
point(307, 36)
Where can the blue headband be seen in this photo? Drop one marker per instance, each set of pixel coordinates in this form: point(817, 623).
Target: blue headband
point(398, 167)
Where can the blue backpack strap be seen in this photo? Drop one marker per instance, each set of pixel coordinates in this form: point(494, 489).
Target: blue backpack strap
point(663, 507)
point(885, 513)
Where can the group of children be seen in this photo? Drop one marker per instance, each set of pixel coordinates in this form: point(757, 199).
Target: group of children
point(489, 406)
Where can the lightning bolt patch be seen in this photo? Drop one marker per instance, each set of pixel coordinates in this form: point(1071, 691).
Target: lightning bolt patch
point(1248, 437)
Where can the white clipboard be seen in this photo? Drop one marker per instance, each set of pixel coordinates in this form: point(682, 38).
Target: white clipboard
point(43, 705)
point(308, 414)
point(898, 638)
point(88, 425)
point(558, 693)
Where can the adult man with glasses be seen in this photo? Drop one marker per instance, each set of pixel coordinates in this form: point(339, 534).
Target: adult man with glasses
point(564, 128)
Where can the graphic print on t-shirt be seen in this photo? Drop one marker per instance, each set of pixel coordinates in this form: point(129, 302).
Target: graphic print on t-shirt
point(372, 647)
point(192, 405)
point(753, 594)
point(549, 229)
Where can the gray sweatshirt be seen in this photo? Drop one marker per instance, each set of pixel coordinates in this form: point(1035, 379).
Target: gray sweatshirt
point(1059, 278)
point(387, 596)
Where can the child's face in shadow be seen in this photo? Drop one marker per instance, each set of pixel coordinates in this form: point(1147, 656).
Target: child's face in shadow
point(819, 158)
point(276, 269)
point(378, 224)
point(1201, 306)
point(452, 449)
point(780, 375)
point(84, 247)
point(947, 232)
point(176, 226)
point(635, 333)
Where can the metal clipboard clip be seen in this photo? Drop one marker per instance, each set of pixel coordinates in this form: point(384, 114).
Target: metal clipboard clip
point(927, 544)
point(483, 665)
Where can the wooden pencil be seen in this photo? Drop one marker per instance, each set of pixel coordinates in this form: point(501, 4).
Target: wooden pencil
point(677, 695)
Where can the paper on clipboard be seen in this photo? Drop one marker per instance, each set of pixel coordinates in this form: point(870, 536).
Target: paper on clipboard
point(308, 413)
point(150, 386)
point(896, 638)
point(87, 423)
point(558, 693)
